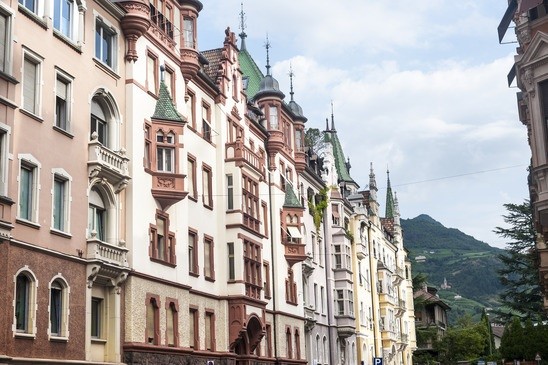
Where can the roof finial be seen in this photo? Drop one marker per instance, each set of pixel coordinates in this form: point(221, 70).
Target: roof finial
point(291, 74)
point(267, 46)
point(332, 117)
point(162, 72)
point(242, 35)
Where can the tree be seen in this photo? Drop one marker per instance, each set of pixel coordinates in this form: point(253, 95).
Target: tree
point(519, 275)
point(313, 139)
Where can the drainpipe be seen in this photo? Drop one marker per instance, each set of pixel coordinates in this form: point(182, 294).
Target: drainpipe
point(274, 317)
point(329, 290)
point(373, 288)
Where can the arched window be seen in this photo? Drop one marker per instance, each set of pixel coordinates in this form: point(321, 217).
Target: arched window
point(288, 343)
point(25, 299)
point(99, 123)
point(58, 308)
point(297, 344)
point(97, 216)
point(152, 321)
point(318, 356)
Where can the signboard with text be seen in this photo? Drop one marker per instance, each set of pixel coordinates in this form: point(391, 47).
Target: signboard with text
point(377, 361)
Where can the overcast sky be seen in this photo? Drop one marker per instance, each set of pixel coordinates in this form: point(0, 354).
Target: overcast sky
point(418, 87)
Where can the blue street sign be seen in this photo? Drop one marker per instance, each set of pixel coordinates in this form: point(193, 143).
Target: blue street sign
point(377, 361)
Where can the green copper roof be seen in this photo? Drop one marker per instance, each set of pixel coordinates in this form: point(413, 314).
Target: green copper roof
point(291, 200)
point(340, 163)
point(389, 213)
point(165, 110)
point(251, 71)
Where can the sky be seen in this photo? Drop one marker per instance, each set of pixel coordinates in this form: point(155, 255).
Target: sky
point(418, 88)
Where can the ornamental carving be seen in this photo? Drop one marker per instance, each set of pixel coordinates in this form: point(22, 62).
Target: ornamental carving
point(136, 7)
point(524, 35)
point(166, 182)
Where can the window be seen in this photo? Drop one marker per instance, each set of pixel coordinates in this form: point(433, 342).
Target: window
point(172, 323)
point(161, 18)
point(162, 241)
point(165, 151)
point(266, 269)
point(231, 272)
point(99, 125)
point(105, 43)
point(28, 186)
point(61, 194)
point(30, 5)
point(229, 192)
point(206, 122)
point(273, 117)
point(268, 341)
point(290, 288)
point(193, 328)
point(188, 32)
point(31, 83)
point(250, 200)
point(5, 41)
point(169, 80)
point(209, 258)
point(148, 146)
point(62, 16)
point(191, 109)
point(192, 253)
point(340, 302)
point(25, 299)
point(96, 317)
point(207, 197)
point(322, 298)
point(58, 308)
point(316, 296)
point(152, 330)
point(97, 216)
point(152, 73)
point(299, 140)
point(63, 90)
point(298, 345)
point(191, 178)
point(338, 258)
point(252, 269)
point(288, 343)
point(210, 331)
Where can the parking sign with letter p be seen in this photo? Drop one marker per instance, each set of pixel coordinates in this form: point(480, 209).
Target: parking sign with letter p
point(377, 361)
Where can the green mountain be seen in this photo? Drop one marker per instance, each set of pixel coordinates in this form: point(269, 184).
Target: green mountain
point(468, 266)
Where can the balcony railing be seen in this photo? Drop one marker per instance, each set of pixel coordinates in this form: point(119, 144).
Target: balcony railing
point(108, 164)
point(97, 249)
point(243, 155)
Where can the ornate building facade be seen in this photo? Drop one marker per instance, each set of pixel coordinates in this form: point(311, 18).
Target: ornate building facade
point(160, 204)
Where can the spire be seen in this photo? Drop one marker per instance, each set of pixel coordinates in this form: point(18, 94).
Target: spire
point(165, 110)
point(267, 46)
point(389, 198)
point(291, 74)
point(326, 124)
point(242, 35)
point(332, 117)
point(372, 183)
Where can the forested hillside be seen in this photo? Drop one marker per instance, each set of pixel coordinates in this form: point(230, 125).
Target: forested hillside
point(468, 265)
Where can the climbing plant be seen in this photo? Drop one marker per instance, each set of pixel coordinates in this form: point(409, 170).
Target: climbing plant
point(318, 208)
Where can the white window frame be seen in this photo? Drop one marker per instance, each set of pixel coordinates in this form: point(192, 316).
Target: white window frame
point(62, 175)
point(65, 296)
point(27, 160)
point(38, 62)
point(5, 132)
point(105, 25)
point(66, 79)
point(31, 306)
point(99, 317)
point(8, 14)
point(72, 23)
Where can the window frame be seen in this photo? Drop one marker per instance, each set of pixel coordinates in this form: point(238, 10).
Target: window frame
point(194, 329)
point(37, 61)
point(59, 20)
point(152, 303)
point(193, 265)
point(103, 29)
point(5, 132)
point(31, 164)
point(191, 178)
point(207, 186)
point(60, 175)
point(102, 234)
point(169, 241)
point(231, 262)
point(166, 156)
point(152, 75)
point(209, 262)
point(97, 317)
point(229, 191)
point(62, 290)
point(6, 66)
point(209, 337)
point(29, 329)
point(68, 81)
point(172, 306)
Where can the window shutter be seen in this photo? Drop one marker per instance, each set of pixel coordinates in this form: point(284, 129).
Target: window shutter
point(29, 86)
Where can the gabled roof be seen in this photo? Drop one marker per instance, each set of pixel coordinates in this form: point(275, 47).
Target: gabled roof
point(251, 71)
point(430, 299)
point(291, 200)
point(165, 110)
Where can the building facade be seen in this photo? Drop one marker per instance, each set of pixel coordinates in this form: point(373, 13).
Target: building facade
point(530, 72)
point(160, 203)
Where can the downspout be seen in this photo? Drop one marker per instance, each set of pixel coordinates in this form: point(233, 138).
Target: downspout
point(274, 317)
point(373, 287)
point(329, 296)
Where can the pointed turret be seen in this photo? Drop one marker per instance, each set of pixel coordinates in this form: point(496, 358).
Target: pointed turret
point(389, 213)
point(299, 121)
point(165, 110)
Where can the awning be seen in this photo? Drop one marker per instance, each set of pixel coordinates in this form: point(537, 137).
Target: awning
point(507, 18)
point(527, 5)
point(294, 232)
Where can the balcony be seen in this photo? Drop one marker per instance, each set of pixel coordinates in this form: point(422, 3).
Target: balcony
point(294, 252)
point(346, 326)
point(104, 163)
point(361, 250)
point(105, 252)
point(168, 188)
point(398, 276)
point(244, 156)
point(308, 267)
